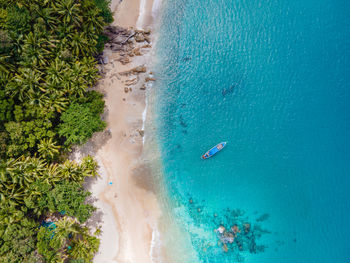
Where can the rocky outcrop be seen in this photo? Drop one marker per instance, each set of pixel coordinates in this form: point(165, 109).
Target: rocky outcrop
point(134, 71)
point(126, 43)
point(124, 60)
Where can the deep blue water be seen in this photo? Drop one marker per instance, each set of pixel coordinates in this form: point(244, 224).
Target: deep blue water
point(271, 78)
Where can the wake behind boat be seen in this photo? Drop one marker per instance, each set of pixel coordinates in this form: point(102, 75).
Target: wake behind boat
point(217, 148)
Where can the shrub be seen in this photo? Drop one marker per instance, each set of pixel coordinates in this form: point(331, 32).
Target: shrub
point(79, 122)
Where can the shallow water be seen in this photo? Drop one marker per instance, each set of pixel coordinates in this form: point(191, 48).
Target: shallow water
point(270, 78)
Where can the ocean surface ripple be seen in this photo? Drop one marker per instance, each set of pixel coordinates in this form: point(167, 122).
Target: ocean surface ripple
point(272, 79)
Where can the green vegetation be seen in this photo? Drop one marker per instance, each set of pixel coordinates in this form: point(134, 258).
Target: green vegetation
point(47, 70)
point(80, 121)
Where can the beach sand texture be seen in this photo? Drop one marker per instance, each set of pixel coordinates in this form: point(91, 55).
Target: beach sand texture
point(130, 212)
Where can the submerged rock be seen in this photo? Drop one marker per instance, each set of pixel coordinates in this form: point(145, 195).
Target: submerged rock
point(235, 229)
point(246, 227)
point(228, 237)
point(225, 247)
point(221, 229)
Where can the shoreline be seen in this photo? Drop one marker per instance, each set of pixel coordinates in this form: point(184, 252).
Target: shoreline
point(130, 210)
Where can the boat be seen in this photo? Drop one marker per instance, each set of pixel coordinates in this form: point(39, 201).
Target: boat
point(217, 148)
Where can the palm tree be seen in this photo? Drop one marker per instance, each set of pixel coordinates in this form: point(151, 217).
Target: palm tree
point(48, 148)
point(25, 83)
point(89, 166)
point(54, 102)
point(35, 49)
point(85, 247)
point(93, 21)
point(64, 228)
point(71, 171)
point(5, 66)
point(55, 71)
point(79, 44)
point(69, 12)
point(47, 16)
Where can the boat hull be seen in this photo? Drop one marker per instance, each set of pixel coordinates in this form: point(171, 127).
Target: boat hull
point(217, 148)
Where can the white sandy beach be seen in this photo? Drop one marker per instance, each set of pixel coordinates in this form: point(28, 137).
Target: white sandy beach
point(130, 212)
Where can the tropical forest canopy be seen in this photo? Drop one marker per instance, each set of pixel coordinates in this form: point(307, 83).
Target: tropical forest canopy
point(47, 71)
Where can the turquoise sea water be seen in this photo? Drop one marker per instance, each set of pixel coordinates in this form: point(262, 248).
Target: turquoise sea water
point(272, 79)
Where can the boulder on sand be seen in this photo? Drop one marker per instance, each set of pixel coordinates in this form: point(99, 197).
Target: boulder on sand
point(139, 38)
point(136, 70)
point(147, 79)
point(139, 69)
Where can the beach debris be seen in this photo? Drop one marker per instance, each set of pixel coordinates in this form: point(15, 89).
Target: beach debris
point(143, 87)
point(110, 183)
